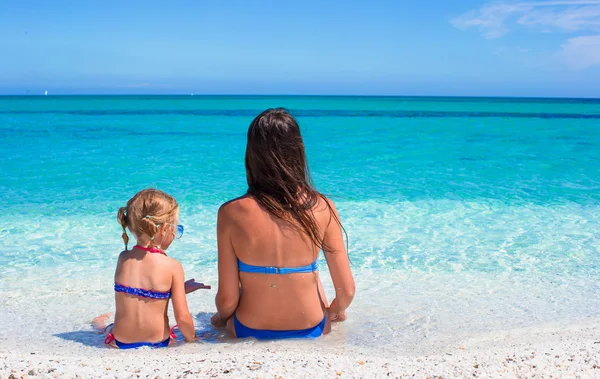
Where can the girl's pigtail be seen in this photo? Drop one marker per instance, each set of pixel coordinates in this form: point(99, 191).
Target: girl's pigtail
point(147, 226)
point(122, 218)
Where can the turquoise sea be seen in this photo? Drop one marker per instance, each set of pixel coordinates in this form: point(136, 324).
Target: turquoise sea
point(465, 216)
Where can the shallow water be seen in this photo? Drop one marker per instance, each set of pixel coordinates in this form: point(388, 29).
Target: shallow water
point(464, 216)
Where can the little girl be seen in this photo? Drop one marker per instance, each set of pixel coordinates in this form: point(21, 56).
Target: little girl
point(145, 278)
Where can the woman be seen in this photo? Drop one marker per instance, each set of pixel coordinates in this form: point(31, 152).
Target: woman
point(269, 241)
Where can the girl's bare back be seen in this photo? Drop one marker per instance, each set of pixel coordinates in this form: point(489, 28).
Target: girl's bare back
point(139, 318)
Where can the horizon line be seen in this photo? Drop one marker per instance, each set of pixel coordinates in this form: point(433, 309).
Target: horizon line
point(295, 95)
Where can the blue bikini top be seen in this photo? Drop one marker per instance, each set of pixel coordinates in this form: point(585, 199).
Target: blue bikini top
point(243, 267)
point(150, 294)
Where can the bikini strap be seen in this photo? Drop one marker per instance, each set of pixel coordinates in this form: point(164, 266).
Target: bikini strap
point(172, 332)
point(109, 336)
point(150, 249)
point(244, 267)
point(109, 339)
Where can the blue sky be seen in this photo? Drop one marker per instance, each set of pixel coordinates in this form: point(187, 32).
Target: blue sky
point(476, 48)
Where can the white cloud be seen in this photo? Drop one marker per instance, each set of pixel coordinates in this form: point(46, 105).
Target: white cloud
point(489, 19)
point(581, 52)
point(569, 19)
point(494, 19)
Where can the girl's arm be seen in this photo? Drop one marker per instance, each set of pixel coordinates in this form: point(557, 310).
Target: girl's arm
point(118, 268)
point(180, 307)
point(228, 294)
point(339, 268)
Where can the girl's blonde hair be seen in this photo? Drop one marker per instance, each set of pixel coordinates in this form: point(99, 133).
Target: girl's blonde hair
point(145, 211)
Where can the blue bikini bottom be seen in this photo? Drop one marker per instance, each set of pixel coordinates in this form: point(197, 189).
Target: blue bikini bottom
point(135, 345)
point(110, 338)
point(242, 331)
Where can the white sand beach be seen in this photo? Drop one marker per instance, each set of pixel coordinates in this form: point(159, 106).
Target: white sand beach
point(400, 327)
point(550, 352)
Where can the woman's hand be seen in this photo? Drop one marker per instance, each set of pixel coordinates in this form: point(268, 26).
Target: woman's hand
point(191, 286)
point(217, 321)
point(336, 314)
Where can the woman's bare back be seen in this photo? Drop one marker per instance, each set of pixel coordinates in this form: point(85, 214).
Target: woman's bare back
point(274, 301)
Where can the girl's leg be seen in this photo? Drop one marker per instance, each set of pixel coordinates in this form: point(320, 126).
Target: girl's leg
point(99, 323)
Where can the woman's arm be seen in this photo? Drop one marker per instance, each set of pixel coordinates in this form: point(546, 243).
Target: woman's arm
point(180, 307)
point(339, 268)
point(228, 294)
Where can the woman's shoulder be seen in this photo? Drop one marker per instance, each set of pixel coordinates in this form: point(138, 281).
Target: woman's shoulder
point(324, 204)
point(239, 204)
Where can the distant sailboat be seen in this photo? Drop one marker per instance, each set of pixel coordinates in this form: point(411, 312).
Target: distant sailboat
point(46, 93)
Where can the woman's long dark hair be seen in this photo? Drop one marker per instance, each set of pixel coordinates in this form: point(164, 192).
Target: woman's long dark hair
point(278, 175)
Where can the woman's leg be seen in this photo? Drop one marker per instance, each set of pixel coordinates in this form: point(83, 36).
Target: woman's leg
point(231, 327)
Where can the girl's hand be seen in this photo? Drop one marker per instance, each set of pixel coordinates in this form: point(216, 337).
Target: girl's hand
point(191, 286)
point(217, 321)
point(335, 313)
